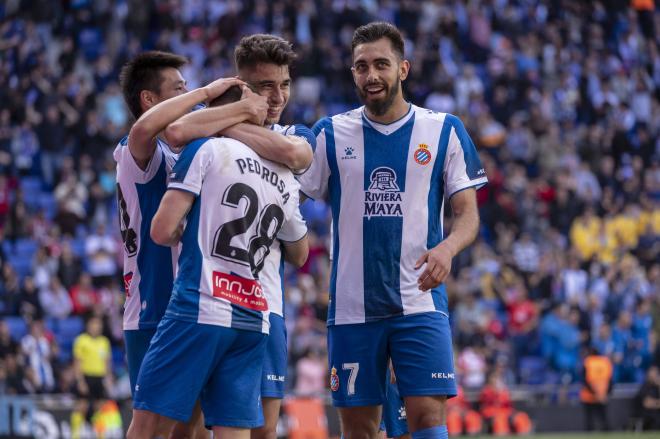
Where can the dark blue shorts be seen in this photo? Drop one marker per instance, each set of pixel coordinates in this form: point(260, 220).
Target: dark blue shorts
point(394, 421)
point(419, 346)
point(273, 379)
point(219, 366)
point(137, 342)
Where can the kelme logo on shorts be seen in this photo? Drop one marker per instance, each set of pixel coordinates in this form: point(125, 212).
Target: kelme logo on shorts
point(334, 380)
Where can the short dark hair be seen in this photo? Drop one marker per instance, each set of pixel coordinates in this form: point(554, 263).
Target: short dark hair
point(263, 49)
point(143, 73)
point(231, 95)
point(375, 31)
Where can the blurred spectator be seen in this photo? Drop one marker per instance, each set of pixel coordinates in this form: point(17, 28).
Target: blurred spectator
point(7, 345)
point(497, 408)
point(71, 196)
point(596, 387)
point(100, 250)
point(311, 373)
point(69, 266)
point(648, 400)
point(39, 353)
point(55, 300)
point(29, 306)
point(83, 295)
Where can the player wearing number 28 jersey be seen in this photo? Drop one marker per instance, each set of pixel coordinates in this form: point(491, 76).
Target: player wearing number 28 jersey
point(211, 341)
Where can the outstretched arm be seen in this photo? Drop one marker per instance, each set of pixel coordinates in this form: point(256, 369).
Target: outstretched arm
point(210, 121)
point(292, 151)
point(463, 231)
point(142, 137)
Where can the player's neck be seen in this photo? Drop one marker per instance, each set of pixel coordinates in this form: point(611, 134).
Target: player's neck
point(398, 109)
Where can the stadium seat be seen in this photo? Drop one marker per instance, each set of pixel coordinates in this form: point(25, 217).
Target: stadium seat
point(532, 370)
point(22, 266)
point(25, 248)
point(71, 327)
point(17, 327)
point(48, 204)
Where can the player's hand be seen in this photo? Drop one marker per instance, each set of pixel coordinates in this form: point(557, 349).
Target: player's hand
point(219, 86)
point(257, 104)
point(438, 266)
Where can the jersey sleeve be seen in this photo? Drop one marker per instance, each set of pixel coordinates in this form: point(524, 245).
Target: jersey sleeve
point(295, 228)
point(314, 182)
point(189, 171)
point(462, 167)
point(301, 130)
point(126, 161)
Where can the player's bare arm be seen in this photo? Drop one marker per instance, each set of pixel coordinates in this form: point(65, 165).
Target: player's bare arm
point(167, 225)
point(142, 137)
point(291, 151)
point(295, 253)
point(211, 121)
point(464, 230)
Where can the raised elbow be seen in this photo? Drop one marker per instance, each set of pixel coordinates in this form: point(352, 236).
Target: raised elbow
point(158, 233)
point(299, 155)
point(174, 134)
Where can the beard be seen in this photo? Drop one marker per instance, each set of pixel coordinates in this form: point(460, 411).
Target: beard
point(379, 107)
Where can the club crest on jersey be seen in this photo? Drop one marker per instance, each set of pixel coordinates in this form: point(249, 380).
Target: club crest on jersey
point(383, 198)
point(334, 380)
point(422, 155)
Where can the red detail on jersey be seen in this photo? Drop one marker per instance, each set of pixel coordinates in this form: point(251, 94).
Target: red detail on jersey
point(239, 291)
point(422, 156)
point(128, 277)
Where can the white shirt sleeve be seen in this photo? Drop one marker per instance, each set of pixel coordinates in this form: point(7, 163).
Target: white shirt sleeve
point(314, 182)
point(463, 167)
point(189, 171)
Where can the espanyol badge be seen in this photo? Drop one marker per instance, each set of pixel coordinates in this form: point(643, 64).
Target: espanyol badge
point(422, 155)
point(334, 380)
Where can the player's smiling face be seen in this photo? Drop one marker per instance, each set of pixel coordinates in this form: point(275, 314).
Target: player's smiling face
point(378, 72)
point(273, 82)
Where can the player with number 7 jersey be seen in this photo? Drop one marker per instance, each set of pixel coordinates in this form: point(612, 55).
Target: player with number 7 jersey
point(235, 204)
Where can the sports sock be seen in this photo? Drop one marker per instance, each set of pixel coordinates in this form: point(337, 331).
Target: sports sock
point(439, 432)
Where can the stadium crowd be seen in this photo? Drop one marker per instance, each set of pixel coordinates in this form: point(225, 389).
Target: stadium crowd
point(562, 99)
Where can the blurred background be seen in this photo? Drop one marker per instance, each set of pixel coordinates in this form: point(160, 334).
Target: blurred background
point(561, 98)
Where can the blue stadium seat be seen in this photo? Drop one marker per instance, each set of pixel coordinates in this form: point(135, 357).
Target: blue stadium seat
point(22, 266)
point(70, 327)
point(31, 187)
point(25, 248)
point(532, 370)
point(78, 247)
point(17, 327)
point(48, 203)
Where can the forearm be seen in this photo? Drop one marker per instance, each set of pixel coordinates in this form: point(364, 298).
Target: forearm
point(463, 231)
point(156, 119)
point(291, 151)
point(205, 123)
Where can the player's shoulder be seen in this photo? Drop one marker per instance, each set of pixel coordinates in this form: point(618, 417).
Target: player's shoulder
point(123, 143)
point(346, 119)
point(422, 113)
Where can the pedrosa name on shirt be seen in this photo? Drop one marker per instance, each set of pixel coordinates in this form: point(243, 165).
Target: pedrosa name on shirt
point(254, 167)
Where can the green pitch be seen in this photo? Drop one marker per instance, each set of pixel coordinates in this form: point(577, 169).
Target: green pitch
point(597, 435)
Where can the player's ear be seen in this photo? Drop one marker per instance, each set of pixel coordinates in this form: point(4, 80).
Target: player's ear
point(354, 75)
point(404, 69)
point(147, 99)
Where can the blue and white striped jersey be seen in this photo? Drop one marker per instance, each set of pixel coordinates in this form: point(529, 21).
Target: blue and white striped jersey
point(148, 267)
point(386, 185)
point(242, 203)
point(271, 275)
